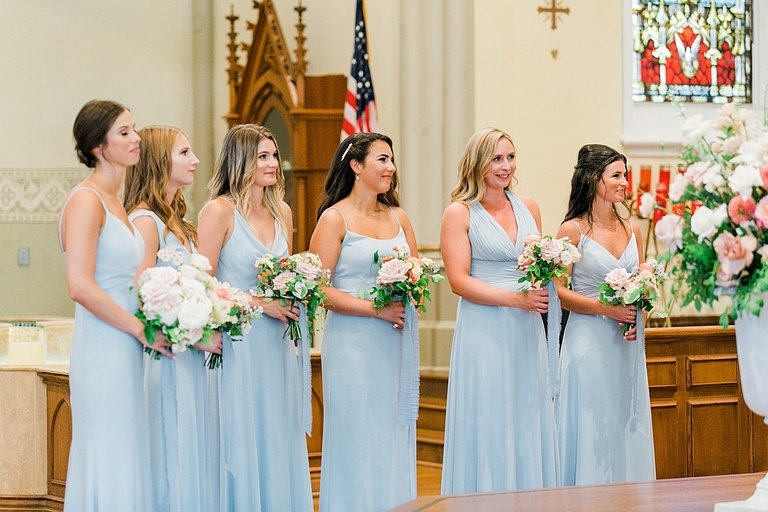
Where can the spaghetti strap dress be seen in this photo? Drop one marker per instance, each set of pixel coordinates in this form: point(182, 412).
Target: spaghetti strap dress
point(500, 429)
point(369, 435)
point(264, 464)
point(176, 409)
point(603, 409)
point(109, 467)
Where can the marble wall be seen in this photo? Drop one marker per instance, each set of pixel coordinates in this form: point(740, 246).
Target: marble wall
point(23, 447)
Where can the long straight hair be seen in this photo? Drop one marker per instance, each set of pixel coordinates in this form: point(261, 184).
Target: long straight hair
point(147, 181)
point(235, 168)
point(341, 177)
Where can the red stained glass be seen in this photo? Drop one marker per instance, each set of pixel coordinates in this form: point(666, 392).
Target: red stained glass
point(692, 50)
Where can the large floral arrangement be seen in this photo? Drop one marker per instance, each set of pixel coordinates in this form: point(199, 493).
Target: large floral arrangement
point(186, 304)
point(402, 278)
point(639, 287)
point(717, 233)
point(545, 258)
point(296, 278)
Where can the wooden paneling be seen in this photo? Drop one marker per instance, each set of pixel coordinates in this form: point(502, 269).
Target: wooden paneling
point(59, 430)
point(315, 441)
point(701, 424)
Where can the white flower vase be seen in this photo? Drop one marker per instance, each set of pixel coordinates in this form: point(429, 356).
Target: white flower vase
point(752, 350)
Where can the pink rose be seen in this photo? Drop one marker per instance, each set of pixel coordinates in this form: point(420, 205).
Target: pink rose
point(734, 253)
point(392, 271)
point(281, 281)
point(740, 209)
point(617, 278)
point(523, 262)
point(761, 212)
point(308, 270)
point(551, 249)
point(764, 176)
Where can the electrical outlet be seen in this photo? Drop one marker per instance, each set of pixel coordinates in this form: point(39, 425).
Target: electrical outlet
point(22, 255)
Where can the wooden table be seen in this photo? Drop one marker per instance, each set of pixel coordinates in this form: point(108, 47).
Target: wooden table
point(677, 494)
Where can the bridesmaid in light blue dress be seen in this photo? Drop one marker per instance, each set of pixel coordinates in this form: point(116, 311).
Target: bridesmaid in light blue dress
point(603, 409)
point(500, 431)
point(109, 466)
point(263, 390)
point(370, 357)
point(176, 389)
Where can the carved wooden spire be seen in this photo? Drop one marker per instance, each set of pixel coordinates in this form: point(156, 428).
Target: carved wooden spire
point(235, 70)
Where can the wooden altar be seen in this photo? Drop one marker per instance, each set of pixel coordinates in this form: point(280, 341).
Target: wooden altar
point(701, 424)
point(304, 112)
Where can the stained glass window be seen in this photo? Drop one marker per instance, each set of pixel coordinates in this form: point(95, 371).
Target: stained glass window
point(689, 50)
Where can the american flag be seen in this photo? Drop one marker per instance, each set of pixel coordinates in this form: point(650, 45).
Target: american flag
point(360, 114)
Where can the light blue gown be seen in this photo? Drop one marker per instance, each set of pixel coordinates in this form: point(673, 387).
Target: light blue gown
point(109, 466)
point(500, 431)
point(603, 410)
point(263, 447)
point(369, 431)
point(176, 409)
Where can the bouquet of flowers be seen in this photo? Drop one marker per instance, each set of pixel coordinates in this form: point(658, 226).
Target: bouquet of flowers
point(232, 313)
point(402, 278)
point(640, 287)
point(295, 278)
point(717, 231)
point(544, 258)
point(186, 304)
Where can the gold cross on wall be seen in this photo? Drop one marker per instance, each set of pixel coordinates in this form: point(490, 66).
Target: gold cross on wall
point(554, 10)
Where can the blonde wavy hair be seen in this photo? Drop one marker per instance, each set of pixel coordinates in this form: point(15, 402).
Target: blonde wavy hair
point(147, 181)
point(234, 171)
point(474, 164)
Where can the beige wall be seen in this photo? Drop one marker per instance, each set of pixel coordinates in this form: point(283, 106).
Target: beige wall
point(55, 56)
point(441, 68)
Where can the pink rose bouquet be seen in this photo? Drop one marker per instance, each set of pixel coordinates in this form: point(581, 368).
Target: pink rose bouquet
point(640, 287)
point(295, 278)
point(717, 233)
point(545, 258)
point(186, 304)
point(403, 278)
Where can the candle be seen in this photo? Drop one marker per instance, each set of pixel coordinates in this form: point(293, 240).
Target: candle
point(645, 178)
point(664, 174)
point(629, 192)
point(662, 193)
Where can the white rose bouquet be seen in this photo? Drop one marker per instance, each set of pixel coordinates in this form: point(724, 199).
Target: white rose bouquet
point(402, 278)
point(186, 304)
point(295, 278)
point(640, 287)
point(717, 233)
point(545, 258)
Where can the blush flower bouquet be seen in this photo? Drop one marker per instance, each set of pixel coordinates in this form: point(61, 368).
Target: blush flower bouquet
point(186, 304)
point(544, 258)
point(295, 278)
point(640, 287)
point(717, 231)
point(402, 278)
point(232, 313)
